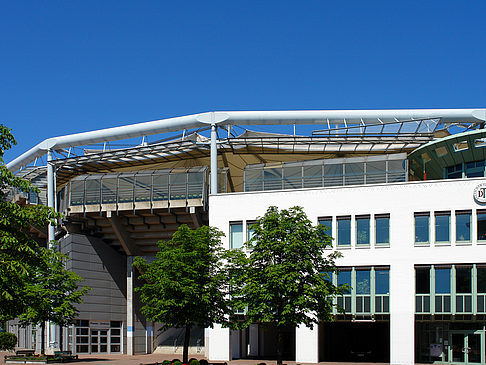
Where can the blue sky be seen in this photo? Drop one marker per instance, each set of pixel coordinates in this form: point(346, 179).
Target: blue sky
point(73, 66)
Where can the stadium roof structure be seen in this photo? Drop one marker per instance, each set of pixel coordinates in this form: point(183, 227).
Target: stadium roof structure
point(337, 127)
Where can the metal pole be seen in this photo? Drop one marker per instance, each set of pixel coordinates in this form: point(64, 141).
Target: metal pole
point(51, 196)
point(214, 160)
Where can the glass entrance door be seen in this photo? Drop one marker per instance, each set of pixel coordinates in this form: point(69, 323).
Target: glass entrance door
point(99, 341)
point(466, 347)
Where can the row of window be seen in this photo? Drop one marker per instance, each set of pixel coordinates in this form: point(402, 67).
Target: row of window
point(362, 224)
point(362, 229)
point(237, 236)
point(450, 289)
point(442, 226)
point(369, 289)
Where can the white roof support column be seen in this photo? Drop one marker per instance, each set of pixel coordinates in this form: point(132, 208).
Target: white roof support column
point(51, 195)
point(51, 203)
point(214, 160)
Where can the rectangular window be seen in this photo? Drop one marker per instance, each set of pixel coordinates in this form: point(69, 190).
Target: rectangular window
point(382, 229)
point(422, 227)
point(442, 227)
point(249, 230)
point(463, 226)
point(363, 230)
point(344, 278)
point(463, 279)
point(326, 222)
point(422, 280)
point(363, 282)
point(382, 281)
point(344, 231)
point(481, 225)
point(442, 280)
point(236, 234)
point(481, 279)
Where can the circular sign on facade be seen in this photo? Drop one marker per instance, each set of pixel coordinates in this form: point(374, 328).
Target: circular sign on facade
point(479, 193)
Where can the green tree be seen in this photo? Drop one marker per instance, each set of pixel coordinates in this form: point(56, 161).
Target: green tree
point(186, 284)
point(284, 280)
point(18, 247)
point(52, 292)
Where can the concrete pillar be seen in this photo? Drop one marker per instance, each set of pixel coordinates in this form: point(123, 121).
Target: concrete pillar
point(130, 318)
point(402, 313)
point(219, 343)
point(307, 344)
point(253, 340)
point(149, 338)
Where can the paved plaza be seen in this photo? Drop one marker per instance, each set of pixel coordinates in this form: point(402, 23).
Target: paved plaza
point(153, 358)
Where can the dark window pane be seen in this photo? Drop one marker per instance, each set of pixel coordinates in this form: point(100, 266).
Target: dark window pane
point(363, 282)
point(447, 304)
point(344, 231)
point(382, 230)
point(442, 228)
point(327, 222)
point(481, 226)
point(463, 280)
point(382, 281)
point(443, 281)
point(386, 304)
point(378, 304)
point(344, 277)
point(422, 281)
point(363, 230)
point(463, 227)
point(438, 304)
point(421, 228)
point(481, 279)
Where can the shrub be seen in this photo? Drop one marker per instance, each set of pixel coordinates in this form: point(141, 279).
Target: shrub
point(177, 362)
point(7, 341)
point(166, 362)
point(194, 362)
point(203, 362)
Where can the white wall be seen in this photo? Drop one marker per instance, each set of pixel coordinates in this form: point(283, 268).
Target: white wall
point(400, 200)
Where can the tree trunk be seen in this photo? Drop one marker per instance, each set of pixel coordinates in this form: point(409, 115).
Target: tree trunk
point(279, 345)
point(43, 333)
point(187, 337)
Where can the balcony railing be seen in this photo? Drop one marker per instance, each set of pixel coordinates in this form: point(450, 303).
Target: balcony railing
point(143, 189)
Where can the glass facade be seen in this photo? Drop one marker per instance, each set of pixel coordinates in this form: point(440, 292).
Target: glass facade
point(456, 289)
point(326, 172)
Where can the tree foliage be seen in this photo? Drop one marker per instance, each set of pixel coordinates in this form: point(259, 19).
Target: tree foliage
point(53, 291)
point(7, 341)
point(186, 284)
point(18, 247)
point(284, 280)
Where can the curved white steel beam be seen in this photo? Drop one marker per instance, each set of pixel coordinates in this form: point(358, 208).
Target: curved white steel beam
point(242, 118)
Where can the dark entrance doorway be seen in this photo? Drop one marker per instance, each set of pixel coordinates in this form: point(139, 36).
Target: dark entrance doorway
point(355, 341)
